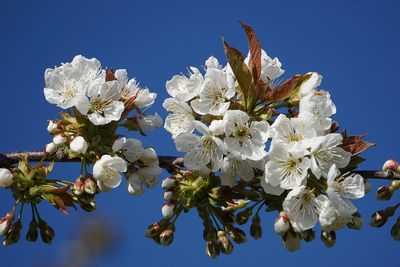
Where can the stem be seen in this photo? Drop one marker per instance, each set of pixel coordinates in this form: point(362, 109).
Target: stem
point(214, 218)
point(379, 175)
point(177, 215)
point(33, 213)
point(21, 210)
point(37, 213)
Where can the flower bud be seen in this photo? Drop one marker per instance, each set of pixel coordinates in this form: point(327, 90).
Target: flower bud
point(367, 186)
point(255, 227)
point(391, 164)
point(237, 235)
point(291, 241)
point(329, 238)
point(46, 232)
point(282, 224)
point(308, 235)
point(78, 188)
point(32, 234)
point(168, 210)
point(155, 229)
point(6, 177)
point(59, 139)
point(53, 127)
point(384, 193)
point(13, 235)
point(78, 145)
point(168, 183)
point(168, 195)
point(243, 216)
point(356, 222)
point(224, 243)
point(50, 148)
point(167, 236)
point(149, 156)
point(379, 218)
point(212, 249)
point(395, 232)
point(90, 186)
point(5, 223)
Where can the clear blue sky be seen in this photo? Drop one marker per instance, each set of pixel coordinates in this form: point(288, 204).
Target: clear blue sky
point(353, 43)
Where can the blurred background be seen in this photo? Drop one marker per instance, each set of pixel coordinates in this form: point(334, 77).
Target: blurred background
point(353, 43)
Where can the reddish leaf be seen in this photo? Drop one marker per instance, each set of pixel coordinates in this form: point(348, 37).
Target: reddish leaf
point(287, 89)
point(255, 53)
point(355, 144)
point(110, 75)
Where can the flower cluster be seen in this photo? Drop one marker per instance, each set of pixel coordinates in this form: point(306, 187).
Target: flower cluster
point(240, 124)
point(100, 101)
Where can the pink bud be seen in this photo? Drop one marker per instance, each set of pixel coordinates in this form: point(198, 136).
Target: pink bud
point(5, 223)
point(281, 225)
point(390, 164)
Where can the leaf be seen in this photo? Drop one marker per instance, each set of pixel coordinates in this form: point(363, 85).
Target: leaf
point(255, 53)
point(354, 144)
point(110, 75)
point(289, 88)
point(240, 70)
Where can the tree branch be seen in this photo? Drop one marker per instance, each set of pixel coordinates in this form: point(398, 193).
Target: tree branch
point(381, 175)
point(10, 158)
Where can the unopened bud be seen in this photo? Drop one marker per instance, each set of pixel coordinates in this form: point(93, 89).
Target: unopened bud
point(308, 235)
point(356, 222)
point(13, 235)
point(90, 186)
point(384, 193)
point(6, 177)
point(167, 236)
point(291, 241)
point(168, 183)
point(282, 223)
point(395, 232)
point(53, 127)
point(5, 223)
point(149, 156)
point(33, 233)
point(168, 195)
point(46, 232)
point(168, 210)
point(379, 218)
point(224, 243)
point(255, 227)
point(212, 249)
point(391, 164)
point(50, 148)
point(78, 145)
point(243, 216)
point(329, 238)
point(78, 188)
point(237, 235)
point(59, 139)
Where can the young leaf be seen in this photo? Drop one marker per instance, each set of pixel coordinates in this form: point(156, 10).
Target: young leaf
point(255, 53)
point(287, 89)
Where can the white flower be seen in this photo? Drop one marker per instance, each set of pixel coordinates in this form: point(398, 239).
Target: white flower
point(50, 148)
point(270, 68)
point(168, 183)
point(66, 85)
point(59, 139)
point(167, 210)
point(347, 186)
point(6, 177)
point(78, 145)
point(130, 89)
point(183, 88)
point(53, 127)
point(131, 148)
point(146, 176)
point(303, 207)
point(325, 152)
point(310, 84)
point(293, 131)
point(218, 87)
point(270, 189)
point(134, 185)
point(150, 122)
point(234, 166)
point(201, 150)
point(286, 168)
point(149, 157)
point(317, 107)
point(107, 170)
point(104, 105)
point(244, 137)
point(181, 120)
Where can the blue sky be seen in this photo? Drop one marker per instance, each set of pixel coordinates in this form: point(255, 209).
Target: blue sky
point(353, 43)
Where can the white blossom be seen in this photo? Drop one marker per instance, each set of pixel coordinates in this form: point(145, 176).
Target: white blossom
point(149, 157)
point(325, 152)
point(270, 189)
point(201, 151)
point(53, 127)
point(107, 170)
point(78, 145)
point(286, 168)
point(66, 86)
point(303, 207)
point(6, 177)
point(167, 210)
point(59, 139)
point(270, 68)
point(150, 122)
point(233, 166)
point(142, 97)
point(218, 87)
point(244, 137)
point(181, 120)
point(131, 148)
point(185, 88)
point(51, 148)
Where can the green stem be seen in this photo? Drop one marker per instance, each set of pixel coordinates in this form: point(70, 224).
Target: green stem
point(37, 212)
point(21, 210)
point(177, 215)
point(33, 213)
point(214, 218)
